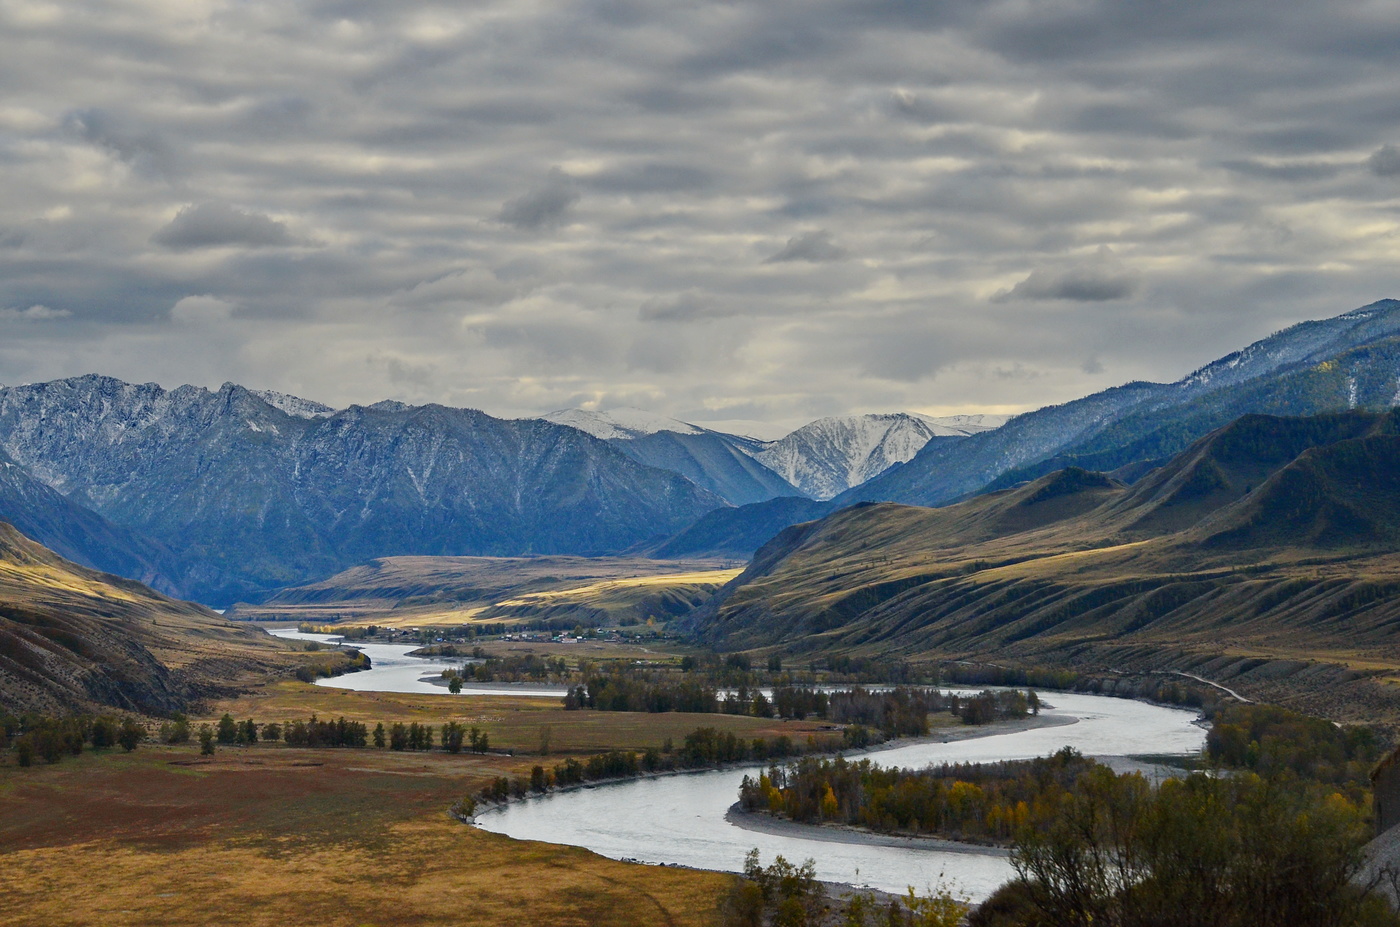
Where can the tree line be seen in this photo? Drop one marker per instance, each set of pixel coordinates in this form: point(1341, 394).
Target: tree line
point(898, 712)
point(703, 748)
point(33, 736)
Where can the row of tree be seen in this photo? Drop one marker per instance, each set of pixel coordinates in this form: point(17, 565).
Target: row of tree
point(898, 712)
point(314, 732)
point(702, 748)
point(33, 736)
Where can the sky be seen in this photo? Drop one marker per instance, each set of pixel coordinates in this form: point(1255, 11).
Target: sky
point(765, 211)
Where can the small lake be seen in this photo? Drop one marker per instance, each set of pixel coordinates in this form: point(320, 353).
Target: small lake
point(681, 819)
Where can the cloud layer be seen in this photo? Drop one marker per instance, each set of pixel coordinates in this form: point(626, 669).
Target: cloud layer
point(768, 211)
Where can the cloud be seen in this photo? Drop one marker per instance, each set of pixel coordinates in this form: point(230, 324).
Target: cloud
point(543, 207)
point(815, 247)
point(217, 225)
point(1098, 279)
point(35, 313)
point(147, 151)
point(1385, 161)
point(687, 307)
point(201, 310)
point(523, 204)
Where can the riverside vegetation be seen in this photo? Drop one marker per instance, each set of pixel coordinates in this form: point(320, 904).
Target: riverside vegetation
point(1273, 835)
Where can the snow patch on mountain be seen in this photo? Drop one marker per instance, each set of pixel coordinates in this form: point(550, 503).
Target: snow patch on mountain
point(294, 406)
point(829, 456)
point(619, 424)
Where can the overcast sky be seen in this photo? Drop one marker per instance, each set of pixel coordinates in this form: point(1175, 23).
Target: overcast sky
point(773, 210)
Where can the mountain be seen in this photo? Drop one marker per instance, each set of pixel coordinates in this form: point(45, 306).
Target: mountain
point(720, 463)
point(737, 532)
point(250, 497)
point(1268, 550)
point(74, 639)
point(77, 533)
point(831, 455)
point(1349, 361)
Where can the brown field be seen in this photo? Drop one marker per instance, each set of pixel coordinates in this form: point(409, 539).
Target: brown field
point(278, 836)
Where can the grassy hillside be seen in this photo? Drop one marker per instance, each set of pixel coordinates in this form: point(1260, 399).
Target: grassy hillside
point(423, 591)
point(72, 639)
point(1267, 551)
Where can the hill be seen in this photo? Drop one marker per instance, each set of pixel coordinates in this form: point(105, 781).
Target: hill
point(74, 639)
point(424, 591)
point(1265, 551)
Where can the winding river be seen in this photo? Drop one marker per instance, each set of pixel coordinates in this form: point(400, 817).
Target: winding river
point(682, 819)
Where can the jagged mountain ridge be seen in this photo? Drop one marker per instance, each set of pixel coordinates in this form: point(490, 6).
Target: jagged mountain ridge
point(721, 463)
point(253, 498)
point(831, 455)
point(818, 460)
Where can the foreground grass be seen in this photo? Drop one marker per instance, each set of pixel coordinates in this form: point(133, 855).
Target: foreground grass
point(277, 835)
point(280, 836)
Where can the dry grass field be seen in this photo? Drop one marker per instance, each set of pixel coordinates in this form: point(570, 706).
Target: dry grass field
point(277, 836)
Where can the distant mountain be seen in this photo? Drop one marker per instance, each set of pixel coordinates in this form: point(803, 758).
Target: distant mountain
point(737, 532)
point(251, 497)
point(1345, 362)
point(831, 455)
point(74, 639)
point(721, 463)
point(1271, 546)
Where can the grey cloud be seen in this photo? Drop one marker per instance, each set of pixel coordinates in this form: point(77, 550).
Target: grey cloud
point(687, 307)
point(1385, 161)
point(1099, 279)
point(214, 225)
point(957, 147)
point(544, 206)
point(147, 151)
point(815, 247)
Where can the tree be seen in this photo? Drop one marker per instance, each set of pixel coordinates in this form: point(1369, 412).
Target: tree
point(206, 740)
point(379, 735)
point(247, 732)
point(131, 734)
point(228, 729)
point(454, 684)
point(271, 731)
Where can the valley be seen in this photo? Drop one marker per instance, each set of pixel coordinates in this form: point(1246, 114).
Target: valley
point(604, 596)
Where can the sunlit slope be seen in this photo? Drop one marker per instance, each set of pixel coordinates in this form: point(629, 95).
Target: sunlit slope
point(1269, 538)
point(420, 591)
point(72, 639)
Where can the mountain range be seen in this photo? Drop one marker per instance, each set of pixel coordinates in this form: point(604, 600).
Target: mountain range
point(1268, 547)
point(229, 494)
point(248, 497)
point(1351, 361)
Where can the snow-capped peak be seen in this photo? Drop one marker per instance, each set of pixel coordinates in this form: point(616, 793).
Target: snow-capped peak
point(619, 424)
point(953, 426)
point(826, 457)
point(294, 406)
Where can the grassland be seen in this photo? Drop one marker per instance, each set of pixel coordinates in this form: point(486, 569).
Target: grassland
point(275, 835)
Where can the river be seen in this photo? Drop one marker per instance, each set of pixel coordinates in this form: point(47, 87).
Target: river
point(681, 820)
point(393, 670)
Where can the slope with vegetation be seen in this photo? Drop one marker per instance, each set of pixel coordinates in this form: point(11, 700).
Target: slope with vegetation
point(1266, 551)
point(73, 639)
